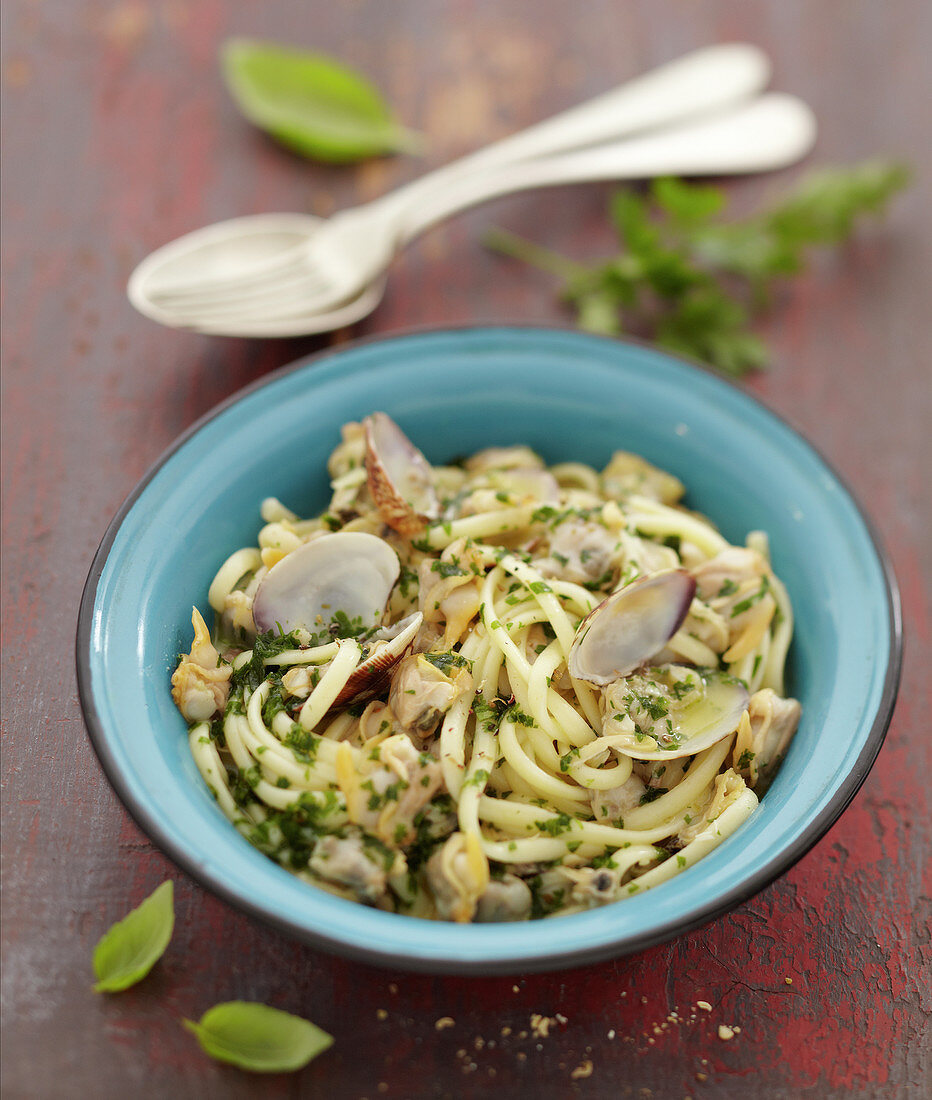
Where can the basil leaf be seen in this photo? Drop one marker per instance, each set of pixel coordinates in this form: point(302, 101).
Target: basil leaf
point(256, 1037)
point(311, 103)
point(131, 947)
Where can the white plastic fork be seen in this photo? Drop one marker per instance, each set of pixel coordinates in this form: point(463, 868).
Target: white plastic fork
point(770, 132)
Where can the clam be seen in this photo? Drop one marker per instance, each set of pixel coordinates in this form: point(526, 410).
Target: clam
point(372, 675)
point(630, 626)
point(348, 571)
point(399, 477)
point(686, 727)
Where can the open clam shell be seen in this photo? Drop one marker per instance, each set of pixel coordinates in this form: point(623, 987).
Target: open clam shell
point(399, 477)
point(630, 626)
point(347, 571)
point(371, 676)
point(697, 724)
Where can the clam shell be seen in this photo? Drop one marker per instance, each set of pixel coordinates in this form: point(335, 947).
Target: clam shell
point(702, 722)
point(348, 571)
point(630, 626)
point(399, 477)
point(371, 676)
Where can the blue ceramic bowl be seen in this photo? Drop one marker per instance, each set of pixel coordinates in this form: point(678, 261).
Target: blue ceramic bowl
point(569, 396)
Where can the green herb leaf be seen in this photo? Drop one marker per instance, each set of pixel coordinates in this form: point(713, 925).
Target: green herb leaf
point(311, 103)
point(694, 283)
point(445, 662)
point(256, 1037)
point(267, 644)
point(651, 794)
point(447, 568)
point(689, 204)
point(131, 947)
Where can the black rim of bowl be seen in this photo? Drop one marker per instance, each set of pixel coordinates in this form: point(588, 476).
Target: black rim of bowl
point(536, 962)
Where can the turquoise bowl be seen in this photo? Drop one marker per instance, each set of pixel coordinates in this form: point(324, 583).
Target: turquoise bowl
point(570, 396)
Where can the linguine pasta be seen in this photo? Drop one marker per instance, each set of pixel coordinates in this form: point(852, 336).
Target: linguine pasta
point(453, 747)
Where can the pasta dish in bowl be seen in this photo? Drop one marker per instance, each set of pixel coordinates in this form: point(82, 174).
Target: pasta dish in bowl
point(492, 690)
point(604, 530)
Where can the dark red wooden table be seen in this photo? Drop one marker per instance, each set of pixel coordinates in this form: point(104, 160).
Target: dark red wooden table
point(119, 136)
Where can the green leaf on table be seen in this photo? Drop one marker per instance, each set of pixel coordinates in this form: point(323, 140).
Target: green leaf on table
point(131, 947)
point(311, 103)
point(256, 1037)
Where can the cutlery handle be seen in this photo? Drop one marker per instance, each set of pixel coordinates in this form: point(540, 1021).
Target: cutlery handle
point(700, 82)
point(771, 132)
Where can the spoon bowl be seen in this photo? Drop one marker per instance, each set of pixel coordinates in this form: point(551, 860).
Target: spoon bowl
point(225, 254)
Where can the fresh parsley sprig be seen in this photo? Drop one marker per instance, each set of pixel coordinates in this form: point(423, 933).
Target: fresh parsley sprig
point(694, 282)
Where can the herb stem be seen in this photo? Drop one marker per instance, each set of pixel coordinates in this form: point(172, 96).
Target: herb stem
point(544, 259)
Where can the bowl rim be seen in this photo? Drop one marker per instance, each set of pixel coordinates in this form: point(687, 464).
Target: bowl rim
point(550, 961)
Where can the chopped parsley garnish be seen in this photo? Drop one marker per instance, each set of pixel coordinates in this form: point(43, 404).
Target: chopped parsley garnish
point(267, 644)
point(303, 743)
point(406, 579)
point(600, 582)
point(555, 826)
point(544, 901)
point(681, 688)
point(651, 794)
point(289, 835)
point(447, 661)
point(748, 602)
point(448, 568)
point(566, 760)
point(605, 860)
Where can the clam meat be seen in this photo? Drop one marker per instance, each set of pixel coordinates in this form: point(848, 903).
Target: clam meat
point(673, 712)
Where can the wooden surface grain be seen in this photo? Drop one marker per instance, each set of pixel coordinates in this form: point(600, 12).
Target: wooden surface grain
point(119, 136)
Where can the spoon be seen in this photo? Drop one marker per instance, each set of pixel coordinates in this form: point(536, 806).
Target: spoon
point(770, 132)
point(237, 253)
